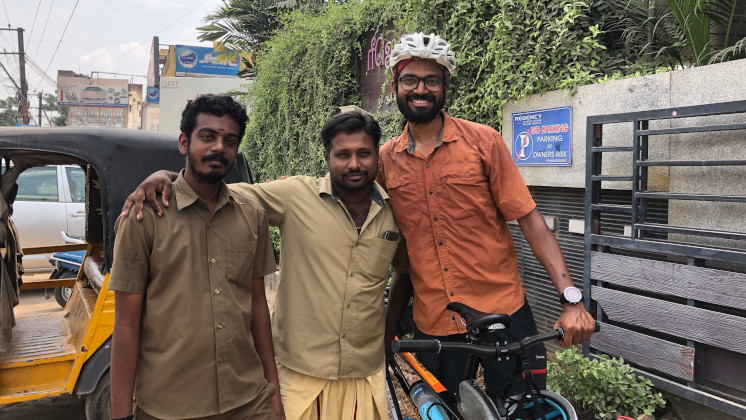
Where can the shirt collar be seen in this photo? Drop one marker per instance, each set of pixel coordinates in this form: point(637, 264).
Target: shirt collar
point(377, 194)
point(185, 195)
point(447, 135)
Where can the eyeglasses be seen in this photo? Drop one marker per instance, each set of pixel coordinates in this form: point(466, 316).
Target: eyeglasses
point(432, 83)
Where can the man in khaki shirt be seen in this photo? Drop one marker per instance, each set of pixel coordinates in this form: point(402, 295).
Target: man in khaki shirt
point(338, 239)
point(192, 336)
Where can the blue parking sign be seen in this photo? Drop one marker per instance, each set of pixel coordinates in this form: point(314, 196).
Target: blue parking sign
point(543, 138)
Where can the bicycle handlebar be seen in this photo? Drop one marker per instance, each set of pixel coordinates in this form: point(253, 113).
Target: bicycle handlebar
point(481, 350)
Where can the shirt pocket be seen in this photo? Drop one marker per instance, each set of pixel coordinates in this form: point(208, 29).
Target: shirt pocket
point(239, 261)
point(410, 201)
point(378, 256)
point(466, 194)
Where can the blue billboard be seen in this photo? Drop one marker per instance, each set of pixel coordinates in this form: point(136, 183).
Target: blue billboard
point(204, 61)
point(543, 138)
point(153, 94)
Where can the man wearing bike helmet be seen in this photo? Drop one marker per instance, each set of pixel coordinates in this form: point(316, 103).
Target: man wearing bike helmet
point(453, 188)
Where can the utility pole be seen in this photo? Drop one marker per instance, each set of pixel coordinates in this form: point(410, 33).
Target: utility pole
point(24, 83)
point(23, 89)
point(39, 109)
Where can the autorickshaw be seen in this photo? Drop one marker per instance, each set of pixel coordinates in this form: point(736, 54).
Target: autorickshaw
point(69, 352)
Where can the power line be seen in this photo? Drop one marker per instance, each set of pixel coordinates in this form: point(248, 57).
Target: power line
point(41, 72)
point(45, 28)
point(63, 35)
point(33, 24)
point(149, 40)
point(6, 13)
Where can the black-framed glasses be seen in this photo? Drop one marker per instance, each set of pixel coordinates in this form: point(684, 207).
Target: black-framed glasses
point(410, 83)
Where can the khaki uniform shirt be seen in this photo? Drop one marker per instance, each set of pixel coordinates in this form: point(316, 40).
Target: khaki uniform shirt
point(197, 355)
point(328, 320)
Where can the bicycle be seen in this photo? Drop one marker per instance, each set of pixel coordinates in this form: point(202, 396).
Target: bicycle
point(471, 402)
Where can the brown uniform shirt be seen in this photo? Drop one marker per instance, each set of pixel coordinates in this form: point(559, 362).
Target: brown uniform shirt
point(329, 313)
point(197, 355)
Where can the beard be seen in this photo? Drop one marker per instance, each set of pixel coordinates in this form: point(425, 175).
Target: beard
point(424, 116)
point(214, 176)
point(342, 184)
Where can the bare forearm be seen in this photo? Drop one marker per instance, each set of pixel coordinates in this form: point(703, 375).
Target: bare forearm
point(126, 343)
point(261, 330)
point(400, 291)
point(546, 249)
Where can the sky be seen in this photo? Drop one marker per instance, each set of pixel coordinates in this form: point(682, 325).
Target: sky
point(101, 36)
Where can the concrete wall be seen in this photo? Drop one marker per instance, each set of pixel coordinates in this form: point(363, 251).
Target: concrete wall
point(696, 86)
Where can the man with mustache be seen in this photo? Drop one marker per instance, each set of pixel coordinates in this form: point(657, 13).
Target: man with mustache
point(192, 335)
point(338, 240)
point(453, 186)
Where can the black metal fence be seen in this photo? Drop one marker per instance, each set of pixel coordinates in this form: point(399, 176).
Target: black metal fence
point(671, 296)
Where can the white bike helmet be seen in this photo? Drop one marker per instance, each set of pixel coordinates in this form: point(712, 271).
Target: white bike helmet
point(429, 47)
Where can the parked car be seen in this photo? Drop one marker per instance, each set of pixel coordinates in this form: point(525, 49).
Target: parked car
point(50, 200)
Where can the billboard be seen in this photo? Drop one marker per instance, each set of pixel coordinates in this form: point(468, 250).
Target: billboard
point(205, 62)
point(177, 91)
point(543, 138)
point(154, 94)
point(96, 116)
point(91, 92)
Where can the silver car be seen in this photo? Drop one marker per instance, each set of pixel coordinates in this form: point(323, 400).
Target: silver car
point(50, 200)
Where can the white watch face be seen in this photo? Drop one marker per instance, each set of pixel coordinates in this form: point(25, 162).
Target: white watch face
point(573, 294)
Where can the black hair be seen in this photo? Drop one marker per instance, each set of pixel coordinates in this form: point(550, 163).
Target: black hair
point(217, 105)
point(348, 123)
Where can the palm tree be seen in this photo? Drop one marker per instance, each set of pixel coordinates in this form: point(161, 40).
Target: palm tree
point(683, 32)
point(241, 24)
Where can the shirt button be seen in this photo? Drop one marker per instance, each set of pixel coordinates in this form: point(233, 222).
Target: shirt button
point(427, 165)
point(451, 293)
point(217, 291)
point(344, 335)
point(220, 326)
point(220, 359)
point(445, 269)
point(352, 274)
point(440, 243)
point(431, 191)
point(435, 218)
point(348, 306)
point(213, 260)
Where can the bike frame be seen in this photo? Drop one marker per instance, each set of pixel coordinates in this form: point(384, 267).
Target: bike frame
point(446, 398)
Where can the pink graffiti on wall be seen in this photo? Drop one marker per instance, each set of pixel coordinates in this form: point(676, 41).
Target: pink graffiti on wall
point(379, 52)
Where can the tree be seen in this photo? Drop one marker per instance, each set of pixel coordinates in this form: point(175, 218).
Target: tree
point(57, 114)
point(243, 25)
point(9, 111)
point(683, 32)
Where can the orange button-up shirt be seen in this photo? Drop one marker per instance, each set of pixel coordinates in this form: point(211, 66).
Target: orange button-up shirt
point(452, 207)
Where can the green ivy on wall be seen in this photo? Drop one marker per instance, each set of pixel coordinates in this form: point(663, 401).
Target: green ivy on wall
point(306, 71)
point(506, 49)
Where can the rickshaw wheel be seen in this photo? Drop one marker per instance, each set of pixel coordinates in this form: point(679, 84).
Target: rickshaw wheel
point(98, 404)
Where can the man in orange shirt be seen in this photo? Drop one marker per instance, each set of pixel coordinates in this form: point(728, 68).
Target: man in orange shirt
point(453, 187)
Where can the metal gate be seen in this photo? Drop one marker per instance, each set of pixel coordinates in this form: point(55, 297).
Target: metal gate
point(678, 313)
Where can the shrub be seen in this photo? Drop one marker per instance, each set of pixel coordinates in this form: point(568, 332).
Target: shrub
point(601, 388)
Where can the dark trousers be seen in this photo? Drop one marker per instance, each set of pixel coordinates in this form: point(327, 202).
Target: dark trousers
point(501, 378)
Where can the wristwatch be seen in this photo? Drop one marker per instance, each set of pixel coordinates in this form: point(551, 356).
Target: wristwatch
point(571, 295)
